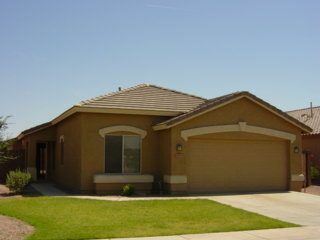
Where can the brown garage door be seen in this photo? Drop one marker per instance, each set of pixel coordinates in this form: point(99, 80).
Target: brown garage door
point(236, 166)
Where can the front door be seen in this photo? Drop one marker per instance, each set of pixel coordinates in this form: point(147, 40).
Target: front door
point(41, 161)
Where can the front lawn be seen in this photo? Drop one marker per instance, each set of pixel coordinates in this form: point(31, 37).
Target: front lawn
point(68, 218)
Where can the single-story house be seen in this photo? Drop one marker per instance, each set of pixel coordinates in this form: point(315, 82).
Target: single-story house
point(160, 139)
point(310, 141)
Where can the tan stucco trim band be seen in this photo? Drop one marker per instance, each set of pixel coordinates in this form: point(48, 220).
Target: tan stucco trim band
point(297, 177)
point(122, 128)
point(240, 127)
point(122, 178)
point(175, 179)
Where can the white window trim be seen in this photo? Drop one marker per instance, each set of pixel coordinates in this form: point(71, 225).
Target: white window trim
point(122, 128)
point(240, 127)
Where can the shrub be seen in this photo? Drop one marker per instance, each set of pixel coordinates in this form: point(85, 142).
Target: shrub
point(128, 190)
point(315, 173)
point(17, 180)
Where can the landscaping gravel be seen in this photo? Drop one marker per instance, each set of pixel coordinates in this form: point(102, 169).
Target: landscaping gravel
point(13, 229)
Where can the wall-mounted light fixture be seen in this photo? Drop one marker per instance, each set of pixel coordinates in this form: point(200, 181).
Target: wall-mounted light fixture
point(179, 147)
point(296, 149)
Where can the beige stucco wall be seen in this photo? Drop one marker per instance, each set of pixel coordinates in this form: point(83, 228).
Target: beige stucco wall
point(165, 151)
point(92, 150)
point(242, 110)
point(67, 174)
point(116, 188)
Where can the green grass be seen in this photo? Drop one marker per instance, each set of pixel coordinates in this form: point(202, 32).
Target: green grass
point(67, 218)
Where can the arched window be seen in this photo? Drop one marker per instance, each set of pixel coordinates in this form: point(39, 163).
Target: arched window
point(122, 151)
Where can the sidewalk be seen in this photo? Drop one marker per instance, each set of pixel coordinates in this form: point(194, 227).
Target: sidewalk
point(299, 233)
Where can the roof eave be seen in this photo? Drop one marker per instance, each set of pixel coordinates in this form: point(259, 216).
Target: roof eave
point(20, 136)
point(75, 109)
point(37, 129)
point(301, 126)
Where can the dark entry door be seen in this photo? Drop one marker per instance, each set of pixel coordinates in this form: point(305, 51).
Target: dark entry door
point(41, 161)
point(307, 169)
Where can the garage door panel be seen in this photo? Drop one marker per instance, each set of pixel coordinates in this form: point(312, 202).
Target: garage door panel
point(225, 166)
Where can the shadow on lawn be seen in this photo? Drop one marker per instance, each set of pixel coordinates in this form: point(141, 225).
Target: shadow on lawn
point(6, 193)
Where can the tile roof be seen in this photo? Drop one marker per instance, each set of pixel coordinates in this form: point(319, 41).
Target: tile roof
point(146, 97)
point(155, 98)
point(225, 98)
point(305, 116)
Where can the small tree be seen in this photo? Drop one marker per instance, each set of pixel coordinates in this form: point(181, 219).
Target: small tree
point(315, 173)
point(3, 126)
point(4, 143)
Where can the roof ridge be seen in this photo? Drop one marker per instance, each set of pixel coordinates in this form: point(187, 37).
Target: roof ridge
point(133, 88)
point(110, 94)
point(227, 95)
point(313, 107)
point(176, 91)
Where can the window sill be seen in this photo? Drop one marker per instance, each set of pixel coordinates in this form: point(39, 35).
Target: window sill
point(122, 178)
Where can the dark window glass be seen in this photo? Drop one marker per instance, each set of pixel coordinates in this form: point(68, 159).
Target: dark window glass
point(122, 154)
point(113, 154)
point(131, 154)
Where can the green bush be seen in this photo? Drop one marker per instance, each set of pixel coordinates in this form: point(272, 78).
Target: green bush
point(315, 173)
point(128, 190)
point(17, 180)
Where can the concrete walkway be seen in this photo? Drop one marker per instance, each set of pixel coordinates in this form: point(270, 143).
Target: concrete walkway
point(294, 207)
point(48, 189)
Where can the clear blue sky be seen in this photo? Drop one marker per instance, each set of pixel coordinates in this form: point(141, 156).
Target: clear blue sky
point(54, 54)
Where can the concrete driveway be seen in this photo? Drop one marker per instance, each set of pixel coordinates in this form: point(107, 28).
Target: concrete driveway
point(294, 207)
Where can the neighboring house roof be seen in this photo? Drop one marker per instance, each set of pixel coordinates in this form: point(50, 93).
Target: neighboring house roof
point(309, 117)
point(146, 97)
point(220, 101)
